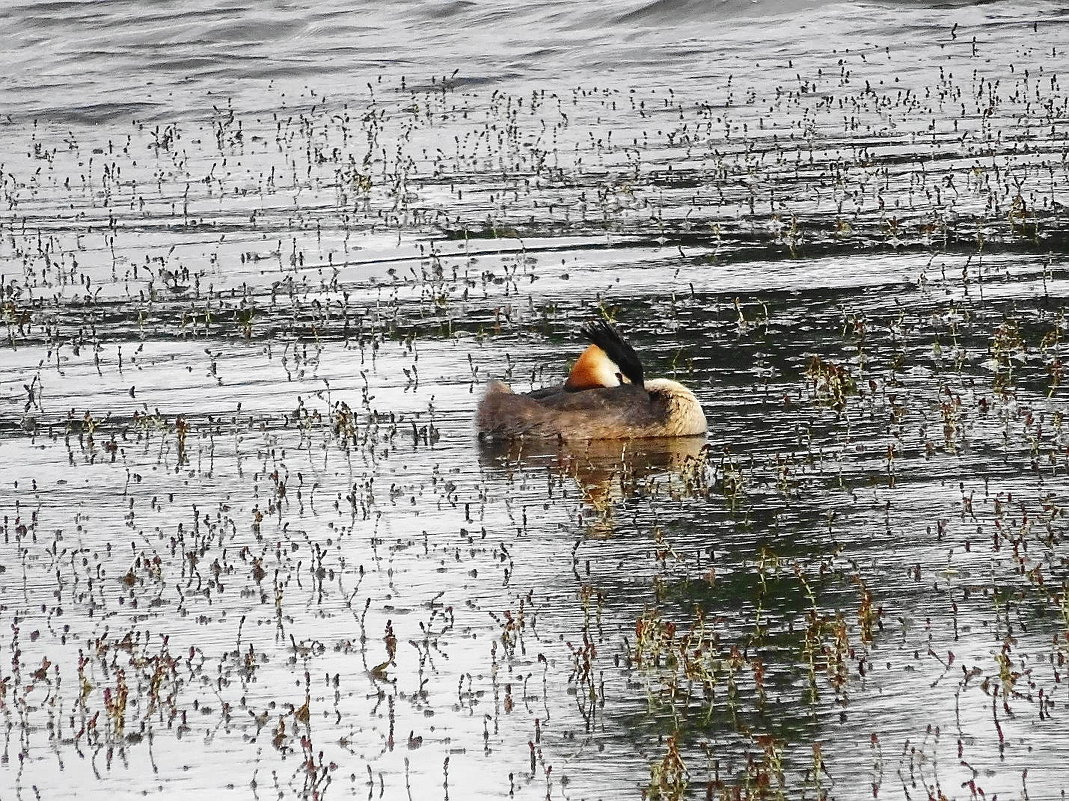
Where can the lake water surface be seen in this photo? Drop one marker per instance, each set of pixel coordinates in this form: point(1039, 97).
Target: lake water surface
point(257, 262)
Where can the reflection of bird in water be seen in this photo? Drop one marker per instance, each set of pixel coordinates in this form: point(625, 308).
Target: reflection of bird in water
point(606, 471)
point(605, 397)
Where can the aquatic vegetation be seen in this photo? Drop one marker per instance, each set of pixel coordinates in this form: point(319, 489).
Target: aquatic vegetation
point(249, 540)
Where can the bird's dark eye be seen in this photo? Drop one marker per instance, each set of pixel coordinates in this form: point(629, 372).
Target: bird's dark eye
point(620, 378)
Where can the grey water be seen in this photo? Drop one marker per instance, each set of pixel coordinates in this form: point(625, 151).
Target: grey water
point(258, 260)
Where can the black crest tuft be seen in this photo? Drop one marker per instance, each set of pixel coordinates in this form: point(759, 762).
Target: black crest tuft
point(606, 337)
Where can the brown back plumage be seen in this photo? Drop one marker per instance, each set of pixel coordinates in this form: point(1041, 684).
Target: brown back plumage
point(623, 412)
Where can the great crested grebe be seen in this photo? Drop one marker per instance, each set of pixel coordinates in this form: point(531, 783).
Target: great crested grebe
point(605, 397)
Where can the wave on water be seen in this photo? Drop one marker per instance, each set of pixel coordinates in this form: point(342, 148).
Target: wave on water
point(677, 11)
point(674, 12)
point(62, 56)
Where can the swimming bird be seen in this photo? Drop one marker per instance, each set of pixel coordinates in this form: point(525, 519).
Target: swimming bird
point(606, 396)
